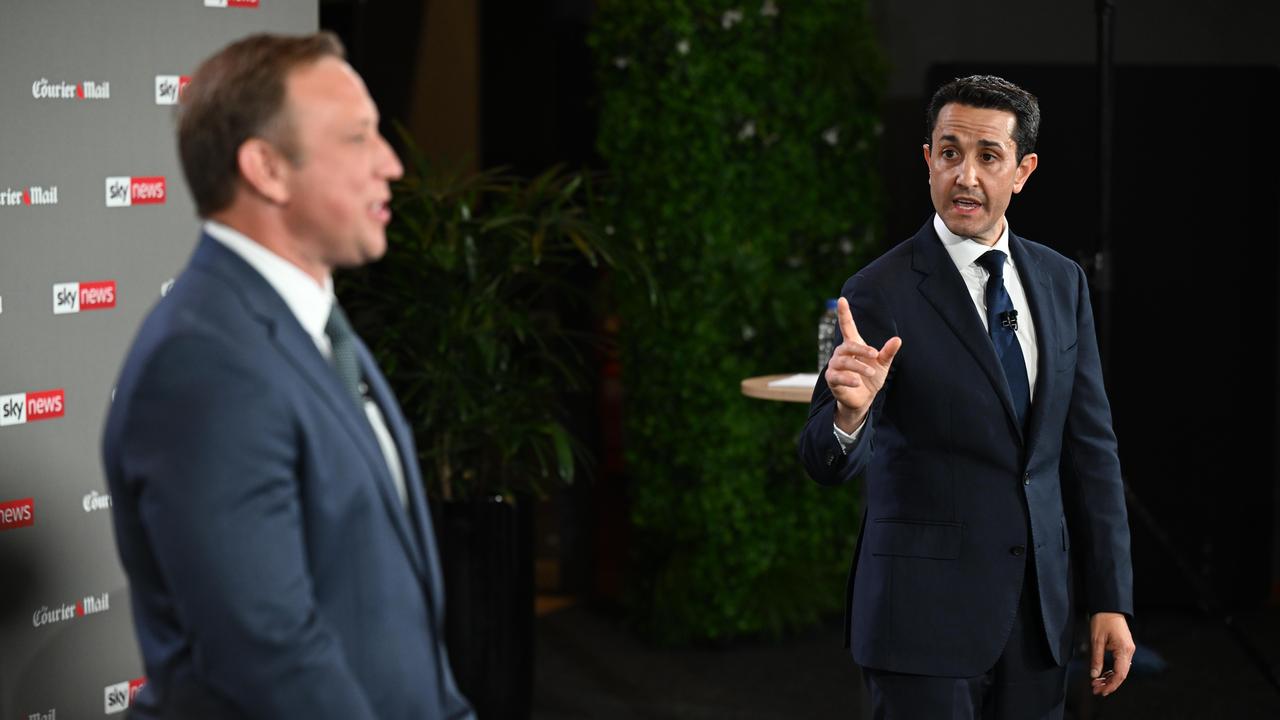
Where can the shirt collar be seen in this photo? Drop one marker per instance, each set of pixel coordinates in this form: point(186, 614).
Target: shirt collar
point(964, 251)
point(310, 302)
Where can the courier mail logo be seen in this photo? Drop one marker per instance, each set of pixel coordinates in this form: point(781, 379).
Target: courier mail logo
point(28, 196)
point(46, 89)
point(17, 514)
point(169, 88)
point(78, 297)
point(96, 501)
point(125, 191)
point(117, 698)
point(88, 605)
point(231, 3)
point(21, 408)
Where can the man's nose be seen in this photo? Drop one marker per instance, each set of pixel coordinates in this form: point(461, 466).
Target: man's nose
point(390, 166)
point(968, 174)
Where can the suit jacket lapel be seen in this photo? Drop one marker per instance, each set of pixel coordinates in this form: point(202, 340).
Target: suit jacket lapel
point(300, 350)
point(945, 290)
point(413, 521)
point(1039, 289)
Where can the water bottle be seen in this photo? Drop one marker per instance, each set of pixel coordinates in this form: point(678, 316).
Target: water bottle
point(827, 326)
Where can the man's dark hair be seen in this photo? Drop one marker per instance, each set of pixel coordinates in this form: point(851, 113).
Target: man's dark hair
point(990, 93)
point(237, 94)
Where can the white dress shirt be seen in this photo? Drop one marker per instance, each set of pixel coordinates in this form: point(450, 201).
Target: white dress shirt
point(311, 304)
point(964, 253)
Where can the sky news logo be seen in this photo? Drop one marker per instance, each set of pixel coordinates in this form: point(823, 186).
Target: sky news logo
point(125, 191)
point(17, 514)
point(28, 196)
point(82, 296)
point(46, 89)
point(21, 408)
point(88, 605)
point(169, 88)
point(117, 698)
point(231, 3)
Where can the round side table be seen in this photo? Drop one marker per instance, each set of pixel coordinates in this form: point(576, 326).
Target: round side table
point(759, 387)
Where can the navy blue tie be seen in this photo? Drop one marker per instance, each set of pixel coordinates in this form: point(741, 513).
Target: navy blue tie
point(1002, 322)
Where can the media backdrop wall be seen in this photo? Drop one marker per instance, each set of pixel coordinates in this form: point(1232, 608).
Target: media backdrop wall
point(95, 220)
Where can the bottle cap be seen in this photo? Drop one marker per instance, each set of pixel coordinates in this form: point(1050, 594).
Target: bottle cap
point(832, 303)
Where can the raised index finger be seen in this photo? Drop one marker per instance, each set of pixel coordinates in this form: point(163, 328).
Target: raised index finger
point(847, 328)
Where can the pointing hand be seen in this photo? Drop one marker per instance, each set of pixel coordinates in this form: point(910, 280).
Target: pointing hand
point(856, 371)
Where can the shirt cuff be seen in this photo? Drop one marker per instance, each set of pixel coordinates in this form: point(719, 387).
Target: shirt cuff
point(848, 439)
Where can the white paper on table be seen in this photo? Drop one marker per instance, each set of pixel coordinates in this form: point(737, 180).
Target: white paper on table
point(804, 380)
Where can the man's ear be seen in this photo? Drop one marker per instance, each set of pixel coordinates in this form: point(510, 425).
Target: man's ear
point(1025, 168)
point(264, 170)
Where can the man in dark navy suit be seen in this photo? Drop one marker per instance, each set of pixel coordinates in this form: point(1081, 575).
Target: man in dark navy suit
point(969, 397)
point(268, 505)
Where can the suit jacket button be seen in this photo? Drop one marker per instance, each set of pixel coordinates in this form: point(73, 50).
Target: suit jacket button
point(1017, 550)
point(1026, 479)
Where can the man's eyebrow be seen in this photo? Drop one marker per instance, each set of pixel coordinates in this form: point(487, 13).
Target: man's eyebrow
point(982, 142)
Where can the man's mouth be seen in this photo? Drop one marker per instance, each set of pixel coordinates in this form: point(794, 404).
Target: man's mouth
point(965, 204)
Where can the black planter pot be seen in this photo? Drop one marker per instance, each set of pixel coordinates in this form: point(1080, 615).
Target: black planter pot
point(486, 553)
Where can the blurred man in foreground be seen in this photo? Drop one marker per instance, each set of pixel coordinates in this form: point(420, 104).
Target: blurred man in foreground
point(268, 505)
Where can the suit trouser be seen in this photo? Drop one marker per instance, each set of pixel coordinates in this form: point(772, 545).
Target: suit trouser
point(1024, 684)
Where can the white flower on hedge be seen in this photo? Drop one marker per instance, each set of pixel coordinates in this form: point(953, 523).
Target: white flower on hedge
point(878, 129)
point(748, 130)
point(682, 47)
point(794, 261)
point(608, 230)
point(768, 9)
point(621, 62)
point(846, 245)
point(748, 333)
point(832, 135)
point(730, 18)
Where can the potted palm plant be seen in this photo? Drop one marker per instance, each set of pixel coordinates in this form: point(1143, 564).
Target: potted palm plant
point(467, 317)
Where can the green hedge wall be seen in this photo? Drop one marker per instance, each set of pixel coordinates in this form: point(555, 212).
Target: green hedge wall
point(741, 142)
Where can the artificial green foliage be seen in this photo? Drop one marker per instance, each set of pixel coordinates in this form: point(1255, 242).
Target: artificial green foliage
point(466, 317)
point(741, 141)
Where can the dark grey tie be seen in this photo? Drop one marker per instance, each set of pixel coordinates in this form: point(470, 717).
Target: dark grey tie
point(343, 340)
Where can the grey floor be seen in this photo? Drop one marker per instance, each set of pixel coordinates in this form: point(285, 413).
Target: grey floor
point(589, 666)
